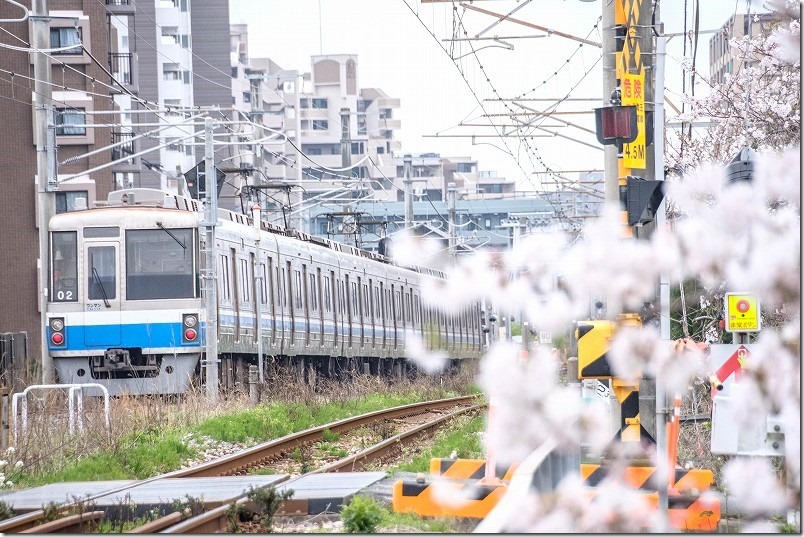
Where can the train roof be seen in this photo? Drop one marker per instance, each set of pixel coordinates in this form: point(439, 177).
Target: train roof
point(155, 198)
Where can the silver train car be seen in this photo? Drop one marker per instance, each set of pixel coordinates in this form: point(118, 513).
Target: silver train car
point(126, 308)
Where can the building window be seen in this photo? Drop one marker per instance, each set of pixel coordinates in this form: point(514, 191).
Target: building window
point(380, 150)
point(170, 71)
point(464, 167)
point(319, 103)
point(68, 122)
point(234, 72)
point(304, 103)
point(71, 201)
point(246, 97)
point(357, 148)
point(313, 151)
point(65, 37)
point(320, 125)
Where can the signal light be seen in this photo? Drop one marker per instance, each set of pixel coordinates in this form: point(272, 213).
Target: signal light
point(190, 334)
point(616, 125)
point(57, 338)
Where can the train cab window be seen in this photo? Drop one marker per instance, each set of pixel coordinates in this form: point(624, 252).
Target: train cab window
point(64, 253)
point(160, 263)
point(101, 273)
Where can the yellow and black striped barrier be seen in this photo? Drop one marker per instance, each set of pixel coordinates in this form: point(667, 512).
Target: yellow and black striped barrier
point(644, 477)
point(468, 469)
point(446, 497)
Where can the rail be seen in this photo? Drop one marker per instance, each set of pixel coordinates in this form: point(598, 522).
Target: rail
point(249, 457)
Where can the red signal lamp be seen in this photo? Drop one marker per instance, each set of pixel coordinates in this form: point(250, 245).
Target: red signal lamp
point(190, 334)
point(57, 338)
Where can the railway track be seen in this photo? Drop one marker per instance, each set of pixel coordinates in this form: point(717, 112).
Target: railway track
point(258, 456)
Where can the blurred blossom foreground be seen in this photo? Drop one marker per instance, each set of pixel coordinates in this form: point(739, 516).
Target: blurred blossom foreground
point(739, 237)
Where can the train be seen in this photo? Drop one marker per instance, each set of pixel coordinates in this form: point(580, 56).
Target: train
point(127, 299)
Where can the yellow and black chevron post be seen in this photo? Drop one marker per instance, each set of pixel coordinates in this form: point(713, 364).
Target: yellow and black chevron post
point(593, 339)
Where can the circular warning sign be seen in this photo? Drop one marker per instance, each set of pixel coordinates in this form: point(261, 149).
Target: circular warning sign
point(742, 313)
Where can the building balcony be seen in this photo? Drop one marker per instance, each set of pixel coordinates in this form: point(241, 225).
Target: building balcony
point(388, 103)
point(126, 148)
point(389, 123)
point(122, 65)
point(121, 7)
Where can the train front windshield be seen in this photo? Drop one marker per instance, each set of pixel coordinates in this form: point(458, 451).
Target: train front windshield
point(160, 264)
point(63, 274)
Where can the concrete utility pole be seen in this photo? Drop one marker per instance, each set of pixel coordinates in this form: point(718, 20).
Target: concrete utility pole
point(451, 215)
point(256, 217)
point(45, 167)
point(408, 164)
point(209, 275)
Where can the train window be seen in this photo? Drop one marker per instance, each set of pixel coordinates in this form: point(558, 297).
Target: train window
point(223, 280)
point(327, 294)
point(235, 279)
point(313, 293)
point(160, 263)
point(244, 279)
point(285, 290)
point(397, 305)
point(101, 273)
point(355, 302)
point(64, 253)
point(366, 300)
point(377, 310)
point(266, 273)
point(96, 232)
point(417, 312)
point(407, 306)
point(297, 283)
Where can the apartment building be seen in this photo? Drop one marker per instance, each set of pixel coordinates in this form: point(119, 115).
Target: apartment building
point(727, 60)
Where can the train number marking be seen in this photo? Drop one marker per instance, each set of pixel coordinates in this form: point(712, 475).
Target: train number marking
point(64, 295)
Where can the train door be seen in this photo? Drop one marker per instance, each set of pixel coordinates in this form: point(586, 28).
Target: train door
point(102, 299)
point(307, 303)
point(381, 317)
point(373, 313)
point(287, 275)
point(320, 300)
point(330, 291)
point(359, 309)
point(348, 310)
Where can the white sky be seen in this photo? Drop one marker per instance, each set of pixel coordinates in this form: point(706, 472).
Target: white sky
point(397, 53)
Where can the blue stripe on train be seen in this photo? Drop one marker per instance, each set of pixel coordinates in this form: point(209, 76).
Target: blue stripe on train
point(150, 335)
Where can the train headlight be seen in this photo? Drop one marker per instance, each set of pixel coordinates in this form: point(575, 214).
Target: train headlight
point(57, 338)
point(190, 321)
point(190, 334)
point(57, 325)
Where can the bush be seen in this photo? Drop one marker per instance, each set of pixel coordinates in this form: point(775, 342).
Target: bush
point(361, 515)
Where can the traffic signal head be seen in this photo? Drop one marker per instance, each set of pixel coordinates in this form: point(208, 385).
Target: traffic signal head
point(616, 125)
point(641, 199)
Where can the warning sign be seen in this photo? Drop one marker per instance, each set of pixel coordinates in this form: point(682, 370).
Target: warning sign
point(742, 313)
point(633, 93)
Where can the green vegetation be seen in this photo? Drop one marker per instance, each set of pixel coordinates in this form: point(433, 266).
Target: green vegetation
point(329, 436)
point(269, 501)
point(462, 438)
point(143, 454)
point(361, 515)
point(5, 511)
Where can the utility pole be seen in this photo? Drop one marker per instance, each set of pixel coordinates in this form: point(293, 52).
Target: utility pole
point(258, 276)
point(346, 163)
point(209, 274)
point(45, 167)
point(408, 164)
point(451, 215)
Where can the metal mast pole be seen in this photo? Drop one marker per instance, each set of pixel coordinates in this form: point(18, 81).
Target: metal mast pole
point(210, 270)
point(45, 168)
point(408, 163)
point(609, 64)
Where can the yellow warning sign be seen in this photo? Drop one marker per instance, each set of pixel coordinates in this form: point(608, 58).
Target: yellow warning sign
point(633, 93)
point(742, 313)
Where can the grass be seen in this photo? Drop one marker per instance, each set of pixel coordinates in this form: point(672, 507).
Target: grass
point(158, 443)
point(461, 437)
